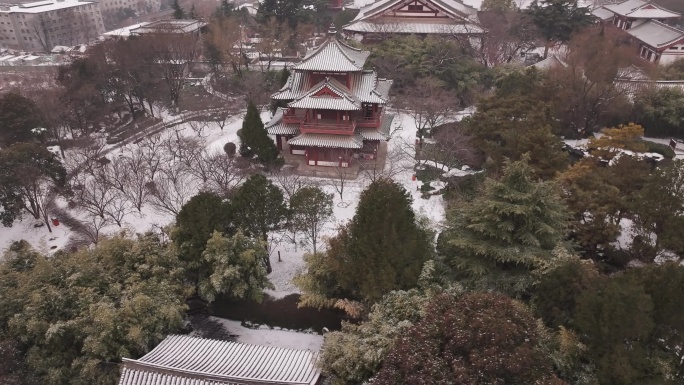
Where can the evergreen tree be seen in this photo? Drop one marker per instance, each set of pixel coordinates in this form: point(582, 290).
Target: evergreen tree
point(479, 338)
point(508, 231)
point(193, 12)
point(254, 139)
point(237, 268)
point(258, 208)
point(284, 75)
point(18, 116)
point(178, 11)
point(383, 248)
point(197, 220)
point(557, 20)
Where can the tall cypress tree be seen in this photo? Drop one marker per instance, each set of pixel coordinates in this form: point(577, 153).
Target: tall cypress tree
point(178, 11)
point(254, 139)
point(383, 248)
point(509, 230)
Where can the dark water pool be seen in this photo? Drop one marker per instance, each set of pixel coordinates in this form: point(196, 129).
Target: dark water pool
point(282, 312)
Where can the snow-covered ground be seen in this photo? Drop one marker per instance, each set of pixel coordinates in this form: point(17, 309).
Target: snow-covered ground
point(272, 337)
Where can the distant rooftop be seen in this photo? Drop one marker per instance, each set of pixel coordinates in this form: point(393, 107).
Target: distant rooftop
point(125, 31)
point(169, 26)
point(44, 6)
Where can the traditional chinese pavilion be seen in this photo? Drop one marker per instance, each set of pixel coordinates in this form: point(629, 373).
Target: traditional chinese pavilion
point(384, 18)
point(335, 109)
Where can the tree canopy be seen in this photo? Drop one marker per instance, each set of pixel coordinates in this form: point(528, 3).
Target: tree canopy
point(18, 116)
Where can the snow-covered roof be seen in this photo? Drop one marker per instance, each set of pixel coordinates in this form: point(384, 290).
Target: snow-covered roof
point(397, 25)
point(191, 360)
point(641, 9)
point(125, 31)
point(327, 140)
point(378, 17)
point(169, 26)
point(550, 62)
point(365, 86)
point(656, 34)
point(333, 56)
point(602, 13)
point(343, 99)
point(381, 133)
point(45, 6)
point(276, 126)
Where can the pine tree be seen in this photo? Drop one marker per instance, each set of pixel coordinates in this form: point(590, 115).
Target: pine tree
point(178, 11)
point(254, 139)
point(383, 248)
point(557, 20)
point(509, 230)
point(284, 75)
point(18, 116)
point(193, 13)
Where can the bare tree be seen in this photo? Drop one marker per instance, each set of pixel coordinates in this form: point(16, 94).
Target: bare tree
point(137, 180)
point(171, 189)
point(92, 193)
point(224, 174)
point(340, 175)
point(430, 105)
point(290, 181)
point(451, 147)
point(386, 165)
point(173, 54)
point(92, 228)
point(198, 127)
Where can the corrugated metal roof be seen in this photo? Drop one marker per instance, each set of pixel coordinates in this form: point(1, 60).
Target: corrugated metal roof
point(333, 56)
point(328, 140)
point(397, 25)
point(133, 376)
point(656, 34)
point(224, 362)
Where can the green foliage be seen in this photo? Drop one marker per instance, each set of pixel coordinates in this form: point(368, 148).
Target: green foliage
point(513, 123)
point(197, 220)
point(258, 208)
point(354, 354)
point(237, 268)
point(76, 315)
point(507, 232)
point(178, 11)
point(477, 338)
point(310, 209)
point(557, 20)
point(407, 59)
point(27, 172)
point(254, 139)
point(18, 116)
point(382, 249)
point(230, 149)
point(661, 112)
point(498, 5)
point(659, 206)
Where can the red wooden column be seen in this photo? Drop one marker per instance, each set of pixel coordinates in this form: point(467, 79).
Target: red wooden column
point(279, 142)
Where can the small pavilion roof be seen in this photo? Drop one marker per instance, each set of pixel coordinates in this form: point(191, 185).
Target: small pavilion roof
point(191, 360)
point(656, 34)
point(365, 86)
point(333, 56)
point(328, 141)
point(641, 9)
point(276, 126)
point(381, 133)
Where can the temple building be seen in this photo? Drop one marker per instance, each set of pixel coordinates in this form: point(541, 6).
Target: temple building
point(644, 21)
point(384, 18)
point(334, 109)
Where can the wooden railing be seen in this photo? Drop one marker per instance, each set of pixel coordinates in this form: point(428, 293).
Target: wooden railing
point(292, 119)
point(324, 127)
point(369, 122)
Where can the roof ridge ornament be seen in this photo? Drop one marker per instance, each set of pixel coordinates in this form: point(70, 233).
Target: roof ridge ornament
point(332, 31)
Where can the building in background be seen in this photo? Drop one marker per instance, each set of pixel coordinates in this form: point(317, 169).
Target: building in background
point(42, 25)
point(645, 21)
point(114, 11)
point(385, 18)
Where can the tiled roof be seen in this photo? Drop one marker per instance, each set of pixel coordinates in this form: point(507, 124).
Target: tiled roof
point(334, 56)
point(656, 34)
point(454, 7)
point(179, 358)
point(346, 100)
point(602, 13)
point(296, 84)
point(632, 8)
point(387, 25)
point(276, 126)
point(381, 133)
point(365, 86)
point(327, 140)
point(550, 62)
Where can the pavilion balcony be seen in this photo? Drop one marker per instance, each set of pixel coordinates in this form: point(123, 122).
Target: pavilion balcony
point(369, 122)
point(325, 126)
point(289, 117)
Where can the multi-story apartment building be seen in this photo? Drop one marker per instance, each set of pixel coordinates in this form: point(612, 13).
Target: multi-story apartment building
point(113, 11)
point(39, 26)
